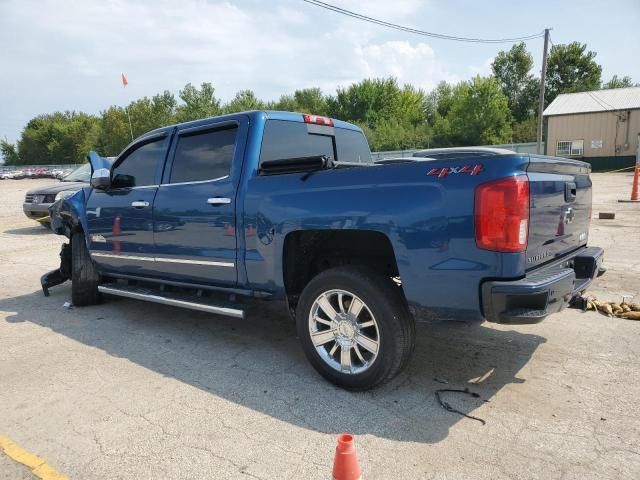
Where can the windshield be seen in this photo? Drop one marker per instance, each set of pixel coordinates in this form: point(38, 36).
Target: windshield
point(80, 174)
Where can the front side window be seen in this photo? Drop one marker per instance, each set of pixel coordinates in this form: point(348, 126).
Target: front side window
point(204, 155)
point(138, 169)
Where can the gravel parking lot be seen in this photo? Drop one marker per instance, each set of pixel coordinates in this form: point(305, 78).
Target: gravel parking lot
point(135, 390)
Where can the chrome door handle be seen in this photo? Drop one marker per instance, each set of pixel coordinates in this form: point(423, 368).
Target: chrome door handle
point(139, 204)
point(218, 201)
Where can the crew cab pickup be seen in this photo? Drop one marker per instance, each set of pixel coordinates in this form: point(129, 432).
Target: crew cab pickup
point(289, 207)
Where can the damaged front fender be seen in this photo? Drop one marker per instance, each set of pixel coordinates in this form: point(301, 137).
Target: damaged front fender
point(69, 215)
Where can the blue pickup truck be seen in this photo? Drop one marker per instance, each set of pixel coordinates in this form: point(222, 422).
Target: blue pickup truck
point(289, 207)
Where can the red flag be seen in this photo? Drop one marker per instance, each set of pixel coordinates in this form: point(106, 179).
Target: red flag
point(125, 82)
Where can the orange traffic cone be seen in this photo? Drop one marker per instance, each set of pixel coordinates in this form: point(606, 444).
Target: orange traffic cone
point(345, 465)
point(635, 195)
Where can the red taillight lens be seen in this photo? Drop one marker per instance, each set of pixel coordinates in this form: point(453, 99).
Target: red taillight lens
point(317, 119)
point(502, 214)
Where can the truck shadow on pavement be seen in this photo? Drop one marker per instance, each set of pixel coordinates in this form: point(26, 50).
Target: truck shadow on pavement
point(257, 363)
point(37, 230)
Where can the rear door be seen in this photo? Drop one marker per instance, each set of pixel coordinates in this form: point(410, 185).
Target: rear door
point(120, 220)
point(195, 208)
point(560, 191)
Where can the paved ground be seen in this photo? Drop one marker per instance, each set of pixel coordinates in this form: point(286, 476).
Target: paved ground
point(134, 390)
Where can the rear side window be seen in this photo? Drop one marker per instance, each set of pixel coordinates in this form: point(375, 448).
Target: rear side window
point(284, 139)
point(352, 146)
point(204, 155)
point(138, 169)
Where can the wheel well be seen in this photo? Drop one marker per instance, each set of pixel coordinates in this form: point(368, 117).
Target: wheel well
point(309, 252)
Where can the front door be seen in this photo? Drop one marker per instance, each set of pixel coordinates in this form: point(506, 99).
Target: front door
point(195, 207)
point(120, 219)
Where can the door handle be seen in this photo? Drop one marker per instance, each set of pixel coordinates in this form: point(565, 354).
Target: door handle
point(139, 204)
point(219, 201)
point(570, 191)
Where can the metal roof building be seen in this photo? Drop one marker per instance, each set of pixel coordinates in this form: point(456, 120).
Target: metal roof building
point(601, 127)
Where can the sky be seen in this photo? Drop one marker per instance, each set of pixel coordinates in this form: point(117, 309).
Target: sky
point(68, 55)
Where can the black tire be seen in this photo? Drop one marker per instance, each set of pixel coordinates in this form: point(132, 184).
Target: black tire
point(385, 301)
point(84, 276)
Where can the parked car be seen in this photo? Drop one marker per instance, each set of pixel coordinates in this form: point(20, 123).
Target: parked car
point(289, 207)
point(38, 200)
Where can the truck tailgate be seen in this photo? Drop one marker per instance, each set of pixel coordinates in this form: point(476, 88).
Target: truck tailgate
point(560, 208)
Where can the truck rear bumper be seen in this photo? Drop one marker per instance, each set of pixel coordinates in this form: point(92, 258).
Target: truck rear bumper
point(542, 291)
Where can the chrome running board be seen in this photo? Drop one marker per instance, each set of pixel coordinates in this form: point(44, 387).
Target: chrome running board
point(165, 298)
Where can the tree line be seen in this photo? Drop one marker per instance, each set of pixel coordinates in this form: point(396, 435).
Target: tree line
point(500, 108)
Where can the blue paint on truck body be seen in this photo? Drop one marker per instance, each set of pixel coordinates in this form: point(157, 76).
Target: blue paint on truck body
point(428, 219)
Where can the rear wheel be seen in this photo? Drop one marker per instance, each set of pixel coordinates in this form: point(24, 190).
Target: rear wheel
point(84, 276)
point(355, 327)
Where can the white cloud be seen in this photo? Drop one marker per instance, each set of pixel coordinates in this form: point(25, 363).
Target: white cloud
point(414, 64)
point(484, 69)
point(69, 55)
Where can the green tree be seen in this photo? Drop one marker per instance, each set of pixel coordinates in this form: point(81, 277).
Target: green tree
point(391, 134)
point(9, 153)
point(306, 100)
point(438, 103)
point(571, 68)
point(410, 109)
point(442, 134)
point(198, 103)
point(58, 138)
point(480, 113)
point(617, 82)
point(311, 100)
point(286, 103)
point(512, 69)
point(244, 100)
point(367, 102)
point(150, 113)
point(525, 131)
point(114, 131)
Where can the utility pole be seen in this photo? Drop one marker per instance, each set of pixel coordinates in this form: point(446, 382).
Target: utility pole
point(542, 79)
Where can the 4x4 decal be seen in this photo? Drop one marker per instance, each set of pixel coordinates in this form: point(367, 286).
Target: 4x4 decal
point(443, 172)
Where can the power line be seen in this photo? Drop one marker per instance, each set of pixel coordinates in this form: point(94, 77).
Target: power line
point(612, 110)
point(402, 28)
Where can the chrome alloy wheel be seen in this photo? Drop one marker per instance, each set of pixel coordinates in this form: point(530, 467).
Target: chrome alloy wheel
point(344, 332)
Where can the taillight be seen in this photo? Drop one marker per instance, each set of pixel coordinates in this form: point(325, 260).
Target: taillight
point(317, 119)
point(502, 214)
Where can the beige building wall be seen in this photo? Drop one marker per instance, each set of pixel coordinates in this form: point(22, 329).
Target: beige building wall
point(595, 129)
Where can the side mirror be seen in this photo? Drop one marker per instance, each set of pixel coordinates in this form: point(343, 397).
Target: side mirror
point(101, 179)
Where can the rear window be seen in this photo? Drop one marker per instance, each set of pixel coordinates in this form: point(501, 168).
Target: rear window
point(283, 139)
